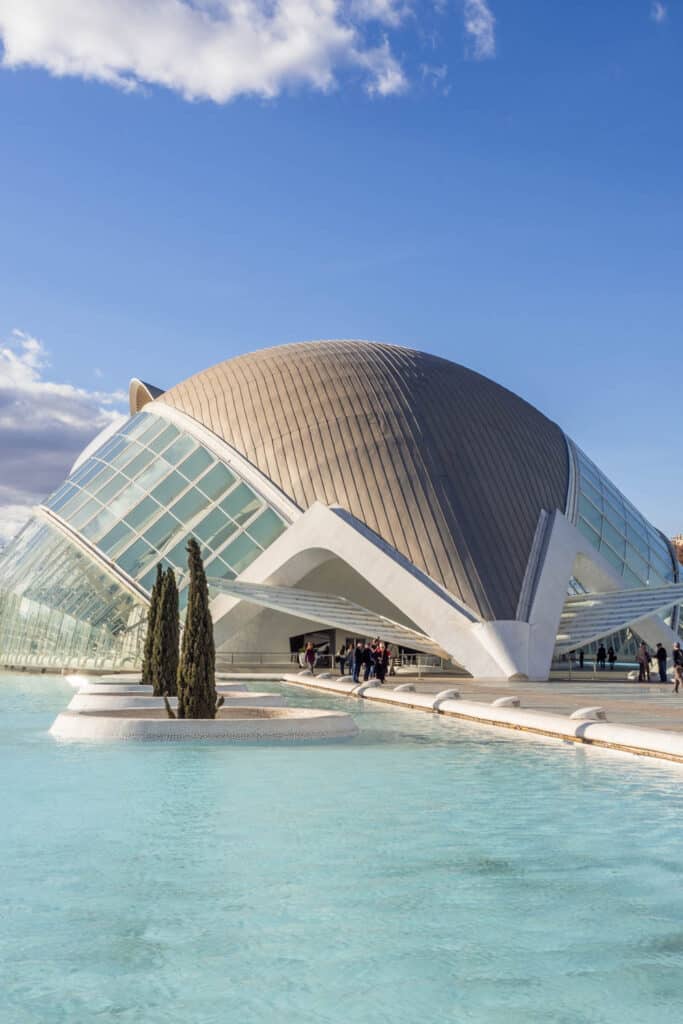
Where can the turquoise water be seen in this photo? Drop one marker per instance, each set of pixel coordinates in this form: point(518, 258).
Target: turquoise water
point(428, 871)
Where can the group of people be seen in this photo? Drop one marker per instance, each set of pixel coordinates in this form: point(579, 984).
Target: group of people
point(645, 659)
point(603, 657)
point(374, 659)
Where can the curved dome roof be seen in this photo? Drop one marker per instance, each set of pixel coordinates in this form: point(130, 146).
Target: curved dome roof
point(447, 466)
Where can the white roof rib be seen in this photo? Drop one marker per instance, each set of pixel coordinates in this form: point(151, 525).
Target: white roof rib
point(330, 610)
point(587, 617)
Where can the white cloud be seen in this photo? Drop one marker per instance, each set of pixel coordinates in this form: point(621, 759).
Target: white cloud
point(480, 25)
point(204, 49)
point(658, 12)
point(43, 427)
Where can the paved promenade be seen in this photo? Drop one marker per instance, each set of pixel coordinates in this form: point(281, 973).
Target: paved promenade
point(654, 705)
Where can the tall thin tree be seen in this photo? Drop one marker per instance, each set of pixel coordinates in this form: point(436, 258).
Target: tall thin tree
point(146, 676)
point(166, 634)
point(197, 669)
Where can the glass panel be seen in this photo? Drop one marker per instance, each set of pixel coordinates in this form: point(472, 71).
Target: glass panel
point(592, 493)
point(220, 570)
point(266, 528)
point(124, 502)
point(632, 580)
point(636, 562)
point(210, 525)
point(112, 449)
point(178, 555)
point(590, 513)
point(72, 506)
point(187, 507)
point(614, 539)
point(135, 426)
point(169, 488)
point(102, 522)
point(588, 532)
point(179, 449)
point(114, 539)
point(219, 538)
point(116, 484)
point(217, 481)
point(60, 498)
point(167, 435)
point(151, 476)
point(96, 484)
point(154, 427)
point(240, 553)
point(129, 452)
point(85, 513)
point(611, 556)
point(161, 532)
point(137, 464)
point(241, 504)
point(142, 513)
point(136, 557)
point(196, 463)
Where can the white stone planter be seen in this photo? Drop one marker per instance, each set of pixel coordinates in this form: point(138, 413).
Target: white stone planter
point(140, 690)
point(234, 725)
point(132, 701)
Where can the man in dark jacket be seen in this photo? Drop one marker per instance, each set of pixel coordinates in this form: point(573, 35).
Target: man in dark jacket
point(358, 660)
point(660, 654)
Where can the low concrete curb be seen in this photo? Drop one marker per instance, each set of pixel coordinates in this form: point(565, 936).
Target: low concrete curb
point(631, 739)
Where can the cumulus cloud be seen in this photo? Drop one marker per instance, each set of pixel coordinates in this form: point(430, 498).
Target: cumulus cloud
point(658, 12)
point(43, 427)
point(480, 25)
point(206, 49)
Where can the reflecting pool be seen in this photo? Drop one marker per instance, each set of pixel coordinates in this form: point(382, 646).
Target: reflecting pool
point(428, 871)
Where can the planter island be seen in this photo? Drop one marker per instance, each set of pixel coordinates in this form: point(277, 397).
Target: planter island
point(232, 724)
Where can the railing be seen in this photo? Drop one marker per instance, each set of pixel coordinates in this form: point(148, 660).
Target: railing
point(420, 663)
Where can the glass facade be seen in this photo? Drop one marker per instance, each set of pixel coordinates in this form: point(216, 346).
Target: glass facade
point(638, 552)
point(59, 609)
point(137, 500)
point(149, 488)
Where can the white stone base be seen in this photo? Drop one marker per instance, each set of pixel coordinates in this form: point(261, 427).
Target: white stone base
point(144, 690)
point(232, 724)
point(132, 701)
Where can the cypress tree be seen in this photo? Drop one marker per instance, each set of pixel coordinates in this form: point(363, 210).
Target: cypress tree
point(197, 669)
point(146, 676)
point(165, 647)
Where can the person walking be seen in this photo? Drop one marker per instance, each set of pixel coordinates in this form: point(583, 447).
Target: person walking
point(660, 655)
point(611, 657)
point(643, 659)
point(309, 657)
point(358, 660)
point(677, 657)
point(601, 657)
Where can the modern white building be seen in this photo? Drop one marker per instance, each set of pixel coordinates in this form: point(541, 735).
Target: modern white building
point(339, 490)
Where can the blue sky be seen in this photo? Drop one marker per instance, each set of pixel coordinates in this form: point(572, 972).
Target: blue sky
point(495, 182)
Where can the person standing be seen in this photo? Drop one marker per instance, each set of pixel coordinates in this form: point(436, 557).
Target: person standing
point(581, 657)
point(601, 657)
point(358, 660)
point(309, 657)
point(381, 663)
point(677, 657)
point(350, 651)
point(341, 659)
point(368, 662)
point(611, 657)
point(660, 654)
point(643, 659)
